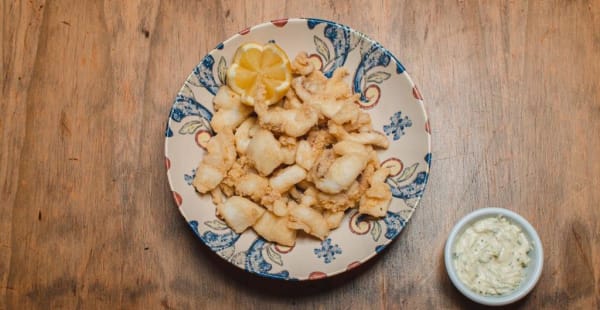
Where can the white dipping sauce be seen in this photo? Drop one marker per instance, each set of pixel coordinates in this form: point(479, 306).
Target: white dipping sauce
point(491, 255)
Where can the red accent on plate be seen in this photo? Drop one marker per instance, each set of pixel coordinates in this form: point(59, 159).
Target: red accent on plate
point(245, 31)
point(283, 249)
point(317, 275)
point(394, 164)
point(428, 127)
point(373, 99)
point(353, 265)
point(417, 93)
point(355, 222)
point(280, 22)
point(178, 199)
point(202, 137)
point(167, 163)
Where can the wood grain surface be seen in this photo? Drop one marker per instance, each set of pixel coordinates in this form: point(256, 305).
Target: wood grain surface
point(86, 217)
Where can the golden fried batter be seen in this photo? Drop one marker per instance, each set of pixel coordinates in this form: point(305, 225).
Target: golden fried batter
point(297, 164)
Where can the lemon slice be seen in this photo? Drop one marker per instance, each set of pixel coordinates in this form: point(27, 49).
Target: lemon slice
point(260, 72)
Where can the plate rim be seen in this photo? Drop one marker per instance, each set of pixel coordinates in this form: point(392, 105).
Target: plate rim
point(423, 109)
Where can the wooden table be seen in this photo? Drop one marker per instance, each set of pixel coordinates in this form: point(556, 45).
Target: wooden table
point(87, 219)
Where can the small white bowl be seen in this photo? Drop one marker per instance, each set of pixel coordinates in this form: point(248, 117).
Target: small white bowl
point(532, 272)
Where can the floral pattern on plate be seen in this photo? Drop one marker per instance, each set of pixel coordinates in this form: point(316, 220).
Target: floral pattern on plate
point(386, 91)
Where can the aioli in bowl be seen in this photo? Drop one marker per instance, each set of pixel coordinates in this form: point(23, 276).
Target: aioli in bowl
point(491, 255)
point(531, 273)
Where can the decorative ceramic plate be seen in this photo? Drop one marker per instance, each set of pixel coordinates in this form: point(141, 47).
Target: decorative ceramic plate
point(386, 92)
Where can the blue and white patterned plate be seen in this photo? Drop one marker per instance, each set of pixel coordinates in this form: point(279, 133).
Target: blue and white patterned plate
point(386, 91)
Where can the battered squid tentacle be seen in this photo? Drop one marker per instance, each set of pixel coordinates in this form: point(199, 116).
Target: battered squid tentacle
point(302, 64)
point(293, 122)
point(371, 137)
point(219, 158)
point(229, 110)
point(377, 198)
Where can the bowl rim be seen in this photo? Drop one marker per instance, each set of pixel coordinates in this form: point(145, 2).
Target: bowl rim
point(529, 281)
